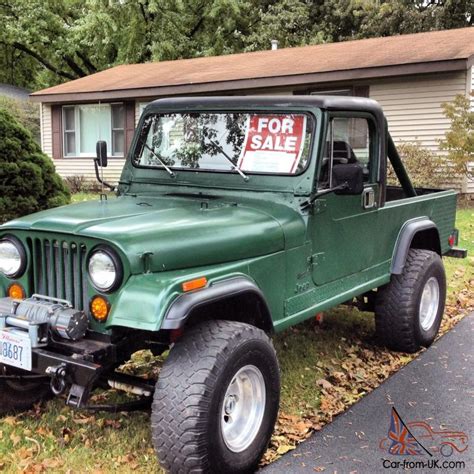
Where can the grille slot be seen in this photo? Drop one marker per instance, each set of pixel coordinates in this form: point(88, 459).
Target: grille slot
point(59, 269)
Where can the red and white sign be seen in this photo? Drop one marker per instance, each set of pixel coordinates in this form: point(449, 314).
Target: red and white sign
point(273, 143)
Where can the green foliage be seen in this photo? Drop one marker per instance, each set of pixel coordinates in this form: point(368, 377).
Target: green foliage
point(287, 21)
point(27, 177)
point(424, 167)
point(387, 18)
point(71, 39)
point(45, 42)
point(459, 139)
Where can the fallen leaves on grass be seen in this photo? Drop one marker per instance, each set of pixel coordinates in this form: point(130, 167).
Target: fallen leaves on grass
point(289, 431)
point(364, 367)
point(144, 364)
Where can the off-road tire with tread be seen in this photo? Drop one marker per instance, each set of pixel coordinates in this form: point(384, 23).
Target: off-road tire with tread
point(189, 395)
point(18, 396)
point(397, 318)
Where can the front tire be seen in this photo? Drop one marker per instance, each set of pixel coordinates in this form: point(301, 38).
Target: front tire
point(20, 395)
point(216, 399)
point(408, 311)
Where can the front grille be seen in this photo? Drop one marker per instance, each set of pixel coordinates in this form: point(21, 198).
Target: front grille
point(59, 269)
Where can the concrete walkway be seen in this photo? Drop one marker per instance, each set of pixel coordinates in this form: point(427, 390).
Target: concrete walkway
point(436, 388)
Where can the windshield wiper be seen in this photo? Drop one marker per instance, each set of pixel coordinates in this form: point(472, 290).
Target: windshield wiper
point(170, 171)
point(229, 159)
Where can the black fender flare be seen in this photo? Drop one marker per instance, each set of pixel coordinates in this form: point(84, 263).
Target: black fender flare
point(404, 240)
point(181, 308)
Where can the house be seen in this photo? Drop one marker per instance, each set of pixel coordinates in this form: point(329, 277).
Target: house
point(410, 75)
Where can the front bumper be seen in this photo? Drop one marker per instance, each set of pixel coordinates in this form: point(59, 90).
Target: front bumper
point(71, 365)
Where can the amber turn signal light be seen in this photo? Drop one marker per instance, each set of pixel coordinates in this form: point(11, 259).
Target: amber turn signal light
point(194, 284)
point(100, 308)
point(16, 291)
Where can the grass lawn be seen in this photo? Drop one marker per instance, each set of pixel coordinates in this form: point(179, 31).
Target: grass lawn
point(326, 366)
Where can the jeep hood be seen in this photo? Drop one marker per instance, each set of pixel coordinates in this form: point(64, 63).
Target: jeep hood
point(179, 232)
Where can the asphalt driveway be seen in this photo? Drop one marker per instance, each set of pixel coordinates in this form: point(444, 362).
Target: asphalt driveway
point(436, 389)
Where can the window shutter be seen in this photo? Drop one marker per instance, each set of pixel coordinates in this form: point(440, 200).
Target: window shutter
point(129, 124)
point(56, 132)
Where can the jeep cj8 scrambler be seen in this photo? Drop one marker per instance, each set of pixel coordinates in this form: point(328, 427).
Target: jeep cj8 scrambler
point(234, 218)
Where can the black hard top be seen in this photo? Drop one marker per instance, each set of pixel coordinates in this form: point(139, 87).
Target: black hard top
point(327, 102)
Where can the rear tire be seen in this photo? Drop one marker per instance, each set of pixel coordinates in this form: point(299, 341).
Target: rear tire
point(16, 395)
point(216, 399)
point(408, 311)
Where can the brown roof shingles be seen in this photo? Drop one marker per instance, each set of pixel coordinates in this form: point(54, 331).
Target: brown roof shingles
point(318, 61)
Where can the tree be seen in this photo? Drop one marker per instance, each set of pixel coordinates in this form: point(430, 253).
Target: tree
point(27, 177)
point(299, 22)
point(287, 21)
point(70, 39)
point(44, 42)
point(387, 18)
point(459, 139)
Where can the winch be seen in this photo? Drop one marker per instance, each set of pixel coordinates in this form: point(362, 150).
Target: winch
point(56, 314)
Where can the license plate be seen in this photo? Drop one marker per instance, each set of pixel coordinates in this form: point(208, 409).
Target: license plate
point(15, 349)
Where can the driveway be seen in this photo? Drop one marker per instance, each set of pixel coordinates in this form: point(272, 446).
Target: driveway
point(436, 389)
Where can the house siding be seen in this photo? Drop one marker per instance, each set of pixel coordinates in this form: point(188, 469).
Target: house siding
point(85, 167)
point(413, 109)
point(413, 106)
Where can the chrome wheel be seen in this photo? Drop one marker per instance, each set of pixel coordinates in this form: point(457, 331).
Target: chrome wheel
point(243, 408)
point(429, 303)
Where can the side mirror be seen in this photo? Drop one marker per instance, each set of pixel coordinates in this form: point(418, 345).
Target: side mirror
point(350, 175)
point(101, 150)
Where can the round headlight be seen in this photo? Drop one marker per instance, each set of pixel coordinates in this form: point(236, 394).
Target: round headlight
point(105, 269)
point(12, 257)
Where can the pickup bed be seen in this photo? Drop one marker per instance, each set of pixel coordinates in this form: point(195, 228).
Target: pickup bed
point(234, 218)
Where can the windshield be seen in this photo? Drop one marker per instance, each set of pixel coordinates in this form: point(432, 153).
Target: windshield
point(276, 143)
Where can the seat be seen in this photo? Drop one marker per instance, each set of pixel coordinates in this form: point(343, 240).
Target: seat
point(343, 151)
point(342, 154)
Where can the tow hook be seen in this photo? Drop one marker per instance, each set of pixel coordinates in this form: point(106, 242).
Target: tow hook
point(58, 375)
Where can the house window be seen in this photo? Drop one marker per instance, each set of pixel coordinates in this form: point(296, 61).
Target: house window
point(69, 125)
point(332, 92)
point(84, 125)
point(118, 127)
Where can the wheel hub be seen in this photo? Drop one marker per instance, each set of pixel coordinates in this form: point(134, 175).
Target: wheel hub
point(429, 303)
point(243, 408)
point(230, 404)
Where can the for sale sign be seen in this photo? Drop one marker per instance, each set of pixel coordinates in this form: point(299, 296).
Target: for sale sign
point(273, 143)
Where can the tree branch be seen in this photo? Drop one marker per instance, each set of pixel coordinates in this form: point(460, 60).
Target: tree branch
point(42, 61)
point(74, 66)
point(196, 27)
point(87, 63)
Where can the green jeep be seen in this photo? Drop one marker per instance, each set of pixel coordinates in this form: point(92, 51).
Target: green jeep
point(234, 218)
